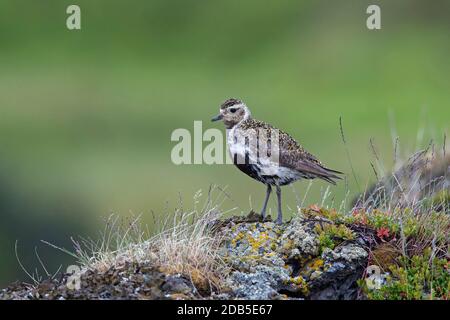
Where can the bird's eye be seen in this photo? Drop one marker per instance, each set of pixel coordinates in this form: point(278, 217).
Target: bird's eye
point(233, 110)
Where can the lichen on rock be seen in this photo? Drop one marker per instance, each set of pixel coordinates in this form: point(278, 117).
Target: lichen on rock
point(264, 261)
point(280, 261)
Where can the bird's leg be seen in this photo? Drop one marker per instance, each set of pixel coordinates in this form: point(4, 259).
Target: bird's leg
point(280, 214)
point(263, 211)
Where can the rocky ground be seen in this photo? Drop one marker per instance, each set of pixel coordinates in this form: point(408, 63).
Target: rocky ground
point(401, 226)
point(267, 261)
point(287, 261)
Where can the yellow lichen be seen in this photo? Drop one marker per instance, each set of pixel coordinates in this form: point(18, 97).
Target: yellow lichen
point(317, 264)
point(288, 244)
point(300, 283)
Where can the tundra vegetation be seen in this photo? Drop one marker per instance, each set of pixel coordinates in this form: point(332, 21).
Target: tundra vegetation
point(399, 228)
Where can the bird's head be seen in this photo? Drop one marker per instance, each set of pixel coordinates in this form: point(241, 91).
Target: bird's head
point(231, 112)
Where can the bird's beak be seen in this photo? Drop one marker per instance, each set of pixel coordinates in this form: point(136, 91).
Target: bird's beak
point(217, 118)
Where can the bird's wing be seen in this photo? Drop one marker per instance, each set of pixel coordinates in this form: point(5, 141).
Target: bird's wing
point(291, 154)
point(307, 168)
point(294, 156)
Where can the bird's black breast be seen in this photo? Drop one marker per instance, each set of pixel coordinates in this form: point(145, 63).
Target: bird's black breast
point(252, 170)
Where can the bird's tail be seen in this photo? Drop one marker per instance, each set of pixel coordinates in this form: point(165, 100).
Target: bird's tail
point(329, 174)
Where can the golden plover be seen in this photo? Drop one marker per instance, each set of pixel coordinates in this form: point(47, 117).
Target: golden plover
point(281, 162)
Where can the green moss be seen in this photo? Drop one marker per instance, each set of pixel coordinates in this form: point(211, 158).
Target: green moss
point(398, 221)
point(331, 235)
point(329, 214)
point(414, 278)
point(299, 283)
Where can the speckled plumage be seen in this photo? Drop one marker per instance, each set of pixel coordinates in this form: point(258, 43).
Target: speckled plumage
point(293, 161)
point(291, 154)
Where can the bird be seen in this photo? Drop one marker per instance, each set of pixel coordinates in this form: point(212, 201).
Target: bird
point(289, 162)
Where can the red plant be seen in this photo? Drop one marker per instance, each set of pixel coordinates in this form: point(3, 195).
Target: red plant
point(383, 233)
point(360, 216)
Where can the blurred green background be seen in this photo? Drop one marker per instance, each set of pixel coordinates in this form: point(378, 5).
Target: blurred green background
point(86, 116)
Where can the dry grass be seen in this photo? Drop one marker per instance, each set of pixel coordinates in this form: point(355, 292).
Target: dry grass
point(415, 195)
point(183, 243)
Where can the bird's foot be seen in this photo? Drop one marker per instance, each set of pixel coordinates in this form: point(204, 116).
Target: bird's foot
point(263, 216)
point(279, 220)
